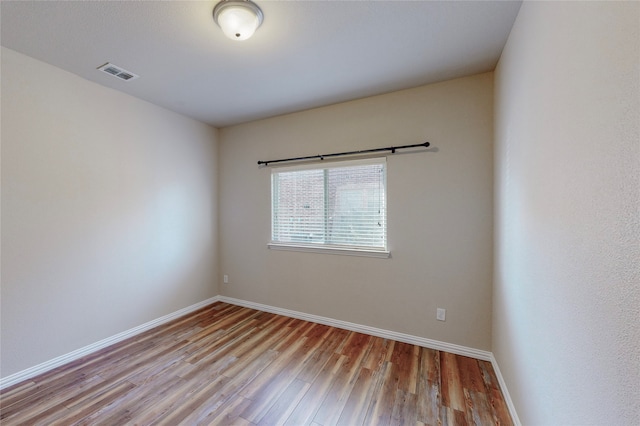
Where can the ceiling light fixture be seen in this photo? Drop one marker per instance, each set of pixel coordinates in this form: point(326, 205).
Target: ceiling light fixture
point(238, 19)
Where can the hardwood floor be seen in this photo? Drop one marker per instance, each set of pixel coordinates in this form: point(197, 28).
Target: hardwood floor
point(226, 364)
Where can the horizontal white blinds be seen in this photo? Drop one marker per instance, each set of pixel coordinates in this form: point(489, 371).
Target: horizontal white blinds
point(340, 204)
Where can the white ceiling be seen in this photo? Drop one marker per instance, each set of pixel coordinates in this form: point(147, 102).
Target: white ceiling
point(306, 53)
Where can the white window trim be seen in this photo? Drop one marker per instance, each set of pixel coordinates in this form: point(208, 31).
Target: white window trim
point(329, 249)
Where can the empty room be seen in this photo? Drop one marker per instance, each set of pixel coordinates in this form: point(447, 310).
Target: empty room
point(320, 212)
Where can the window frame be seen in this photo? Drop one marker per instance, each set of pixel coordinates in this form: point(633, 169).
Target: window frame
point(378, 252)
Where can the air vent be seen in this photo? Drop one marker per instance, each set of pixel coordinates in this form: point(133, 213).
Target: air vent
point(118, 72)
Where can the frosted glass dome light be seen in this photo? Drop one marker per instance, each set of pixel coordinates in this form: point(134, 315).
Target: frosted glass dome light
point(238, 19)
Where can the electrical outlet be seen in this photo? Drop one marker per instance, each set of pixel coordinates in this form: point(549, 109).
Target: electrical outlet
point(441, 314)
point(225, 279)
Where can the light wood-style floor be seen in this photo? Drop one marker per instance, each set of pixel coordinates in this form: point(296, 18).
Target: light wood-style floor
point(226, 364)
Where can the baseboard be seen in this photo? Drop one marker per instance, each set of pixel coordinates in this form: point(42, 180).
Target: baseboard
point(79, 353)
point(387, 334)
point(505, 392)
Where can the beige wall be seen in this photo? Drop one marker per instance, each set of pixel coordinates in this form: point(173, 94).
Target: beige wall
point(439, 213)
point(108, 212)
point(566, 318)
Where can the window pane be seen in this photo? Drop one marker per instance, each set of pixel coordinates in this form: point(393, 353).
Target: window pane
point(299, 206)
point(340, 205)
point(356, 206)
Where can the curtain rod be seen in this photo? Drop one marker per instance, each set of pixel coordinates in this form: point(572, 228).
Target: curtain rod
point(339, 154)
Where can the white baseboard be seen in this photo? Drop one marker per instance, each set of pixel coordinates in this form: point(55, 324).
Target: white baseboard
point(379, 332)
point(387, 334)
point(79, 353)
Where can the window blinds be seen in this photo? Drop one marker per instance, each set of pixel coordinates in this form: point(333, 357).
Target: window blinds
point(340, 204)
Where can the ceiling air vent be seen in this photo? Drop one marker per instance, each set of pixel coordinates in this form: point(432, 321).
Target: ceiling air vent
point(116, 71)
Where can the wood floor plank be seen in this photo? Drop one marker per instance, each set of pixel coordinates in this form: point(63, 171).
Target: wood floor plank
point(131, 405)
point(195, 401)
point(452, 390)
point(478, 409)
point(377, 354)
point(277, 381)
point(355, 408)
point(309, 404)
point(225, 343)
point(470, 374)
point(355, 350)
point(452, 417)
point(384, 395)
point(331, 341)
point(429, 395)
point(285, 403)
point(229, 413)
point(281, 363)
point(38, 394)
point(499, 407)
point(37, 409)
point(494, 394)
point(229, 365)
point(405, 358)
point(404, 409)
point(86, 406)
point(230, 389)
point(260, 342)
point(161, 410)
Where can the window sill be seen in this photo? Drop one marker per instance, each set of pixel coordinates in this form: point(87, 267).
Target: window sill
point(382, 254)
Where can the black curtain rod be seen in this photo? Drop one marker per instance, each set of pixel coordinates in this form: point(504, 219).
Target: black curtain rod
point(339, 154)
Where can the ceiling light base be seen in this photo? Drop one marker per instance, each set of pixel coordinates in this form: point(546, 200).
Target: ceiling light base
point(239, 19)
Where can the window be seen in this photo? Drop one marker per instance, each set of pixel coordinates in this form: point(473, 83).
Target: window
point(339, 206)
